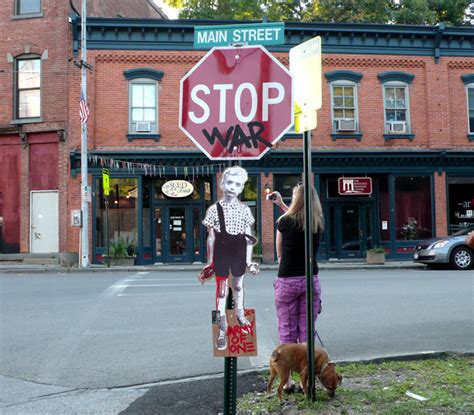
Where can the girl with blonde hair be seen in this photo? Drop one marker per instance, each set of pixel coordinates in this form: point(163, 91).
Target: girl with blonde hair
point(290, 285)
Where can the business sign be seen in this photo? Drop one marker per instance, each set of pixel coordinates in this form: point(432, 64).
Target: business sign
point(106, 181)
point(354, 186)
point(236, 103)
point(246, 34)
point(177, 188)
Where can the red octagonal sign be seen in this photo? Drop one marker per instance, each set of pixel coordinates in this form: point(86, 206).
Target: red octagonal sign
point(236, 103)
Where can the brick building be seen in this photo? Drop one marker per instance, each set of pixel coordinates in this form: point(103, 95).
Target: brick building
point(398, 107)
point(35, 74)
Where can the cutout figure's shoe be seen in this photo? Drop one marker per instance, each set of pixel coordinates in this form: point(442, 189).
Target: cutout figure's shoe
point(221, 341)
point(242, 320)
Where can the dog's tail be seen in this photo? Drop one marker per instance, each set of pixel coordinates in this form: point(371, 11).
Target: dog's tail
point(275, 356)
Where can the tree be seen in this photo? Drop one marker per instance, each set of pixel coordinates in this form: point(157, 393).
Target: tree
point(419, 12)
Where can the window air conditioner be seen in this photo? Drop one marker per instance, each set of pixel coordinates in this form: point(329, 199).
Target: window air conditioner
point(398, 127)
point(345, 124)
point(143, 127)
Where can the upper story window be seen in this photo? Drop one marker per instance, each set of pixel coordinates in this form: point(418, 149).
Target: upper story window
point(344, 106)
point(470, 107)
point(344, 102)
point(28, 7)
point(143, 101)
point(28, 88)
point(143, 107)
point(396, 109)
point(396, 102)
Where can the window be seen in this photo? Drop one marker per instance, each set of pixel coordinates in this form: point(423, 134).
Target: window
point(470, 107)
point(396, 109)
point(144, 107)
point(144, 86)
point(28, 6)
point(396, 102)
point(344, 106)
point(123, 212)
point(413, 214)
point(28, 88)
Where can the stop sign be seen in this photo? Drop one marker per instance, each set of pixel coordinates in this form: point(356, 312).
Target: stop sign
point(236, 102)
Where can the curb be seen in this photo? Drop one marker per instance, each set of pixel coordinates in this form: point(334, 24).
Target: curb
point(177, 268)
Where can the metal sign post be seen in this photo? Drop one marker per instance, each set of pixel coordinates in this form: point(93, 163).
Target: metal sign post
point(84, 188)
point(308, 249)
point(230, 373)
point(305, 66)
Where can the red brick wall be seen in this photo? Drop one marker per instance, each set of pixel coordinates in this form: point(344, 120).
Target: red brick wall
point(437, 110)
point(441, 207)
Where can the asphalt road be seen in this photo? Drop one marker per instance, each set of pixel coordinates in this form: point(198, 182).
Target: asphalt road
point(72, 332)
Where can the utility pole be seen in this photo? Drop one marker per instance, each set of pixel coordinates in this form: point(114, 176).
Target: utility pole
point(85, 191)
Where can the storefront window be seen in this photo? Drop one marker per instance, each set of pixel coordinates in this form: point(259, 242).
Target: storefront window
point(146, 215)
point(197, 232)
point(285, 183)
point(249, 197)
point(461, 203)
point(413, 217)
point(123, 212)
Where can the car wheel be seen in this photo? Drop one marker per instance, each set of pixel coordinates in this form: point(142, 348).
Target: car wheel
point(461, 258)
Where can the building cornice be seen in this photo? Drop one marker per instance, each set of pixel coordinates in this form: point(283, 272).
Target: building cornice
point(341, 38)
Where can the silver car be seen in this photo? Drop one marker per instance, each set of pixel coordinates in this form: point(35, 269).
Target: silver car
point(450, 250)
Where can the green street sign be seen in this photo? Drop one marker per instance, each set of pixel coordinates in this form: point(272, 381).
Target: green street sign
point(247, 34)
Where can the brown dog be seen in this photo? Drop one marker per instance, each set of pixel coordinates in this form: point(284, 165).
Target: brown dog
point(293, 357)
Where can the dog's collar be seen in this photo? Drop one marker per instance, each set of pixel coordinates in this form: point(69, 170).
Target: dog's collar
point(323, 368)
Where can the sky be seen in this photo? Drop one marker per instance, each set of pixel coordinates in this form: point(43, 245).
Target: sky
point(170, 12)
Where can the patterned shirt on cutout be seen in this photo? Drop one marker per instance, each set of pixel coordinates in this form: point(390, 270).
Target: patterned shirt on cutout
point(237, 217)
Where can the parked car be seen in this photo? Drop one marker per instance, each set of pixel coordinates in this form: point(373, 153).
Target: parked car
point(450, 250)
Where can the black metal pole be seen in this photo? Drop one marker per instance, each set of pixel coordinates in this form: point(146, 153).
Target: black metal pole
point(230, 372)
point(308, 234)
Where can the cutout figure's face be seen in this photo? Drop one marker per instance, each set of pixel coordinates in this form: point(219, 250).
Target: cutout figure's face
point(232, 186)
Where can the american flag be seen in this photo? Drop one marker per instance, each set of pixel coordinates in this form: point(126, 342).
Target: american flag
point(83, 109)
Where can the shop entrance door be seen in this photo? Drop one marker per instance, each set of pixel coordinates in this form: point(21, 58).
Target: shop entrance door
point(351, 230)
point(176, 242)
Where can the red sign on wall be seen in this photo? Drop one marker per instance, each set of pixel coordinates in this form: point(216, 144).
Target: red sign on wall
point(354, 186)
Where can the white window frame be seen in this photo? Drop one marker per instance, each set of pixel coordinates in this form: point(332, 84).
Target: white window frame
point(405, 86)
point(17, 86)
point(18, 5)
point(345, 83)
point(468, 87)
point(130, 102)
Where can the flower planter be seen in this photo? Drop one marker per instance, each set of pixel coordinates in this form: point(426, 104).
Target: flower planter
point(375, 258)
point(123, 261)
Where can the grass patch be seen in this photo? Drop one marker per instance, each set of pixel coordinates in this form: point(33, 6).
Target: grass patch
point(447, 383)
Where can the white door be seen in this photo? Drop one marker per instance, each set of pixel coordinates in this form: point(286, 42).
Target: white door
point(44, 221)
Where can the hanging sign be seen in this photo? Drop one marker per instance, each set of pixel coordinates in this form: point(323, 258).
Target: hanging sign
point(106, 181)
point(354, 186)
point(177, 188)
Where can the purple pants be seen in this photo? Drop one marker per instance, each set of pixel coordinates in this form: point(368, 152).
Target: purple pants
point(290, 302)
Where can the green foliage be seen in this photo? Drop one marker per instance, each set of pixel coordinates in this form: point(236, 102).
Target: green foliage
point(122, 247)
point(377, 250)
point(419, 12)
point(379, 388)
point(257, 249)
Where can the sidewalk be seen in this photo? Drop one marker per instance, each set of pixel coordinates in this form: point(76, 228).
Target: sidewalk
point(10, 267)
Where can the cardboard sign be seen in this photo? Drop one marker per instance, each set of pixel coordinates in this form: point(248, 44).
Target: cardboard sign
point(241, 340)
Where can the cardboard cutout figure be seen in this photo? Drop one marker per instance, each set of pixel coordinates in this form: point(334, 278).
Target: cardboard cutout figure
point(229, 246)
